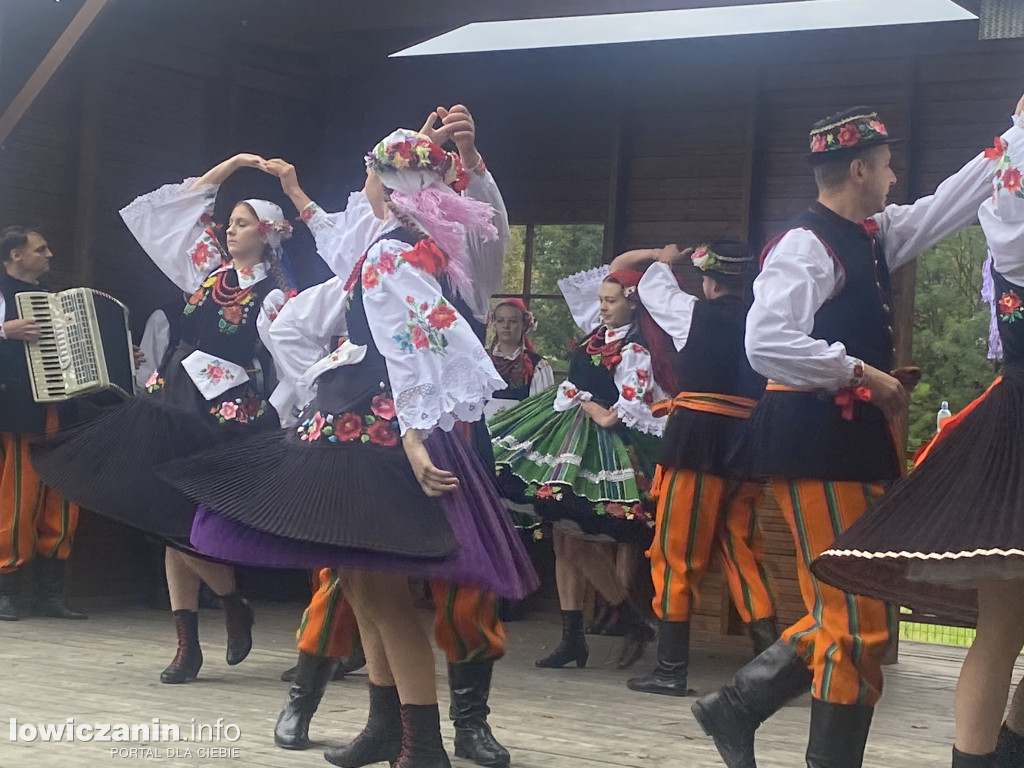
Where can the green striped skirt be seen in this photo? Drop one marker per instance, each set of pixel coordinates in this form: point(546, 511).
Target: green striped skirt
point(556, 451)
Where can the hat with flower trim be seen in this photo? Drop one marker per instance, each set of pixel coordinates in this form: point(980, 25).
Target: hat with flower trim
point(273, 225)
point(408, 161)
point(724, 257)
point(846, 132)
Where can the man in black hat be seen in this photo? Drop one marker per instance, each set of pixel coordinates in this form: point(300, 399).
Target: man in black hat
point(820, 330)
point(702, 503)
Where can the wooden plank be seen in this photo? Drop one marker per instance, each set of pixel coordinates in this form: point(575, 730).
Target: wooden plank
point(90, 128)
point(49, 65)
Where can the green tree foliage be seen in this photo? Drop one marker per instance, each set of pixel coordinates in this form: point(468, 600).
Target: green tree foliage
point(558, 250)
point(950, 330)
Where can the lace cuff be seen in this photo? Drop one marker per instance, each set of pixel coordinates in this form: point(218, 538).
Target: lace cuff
point(464, 386)
point(580, 292)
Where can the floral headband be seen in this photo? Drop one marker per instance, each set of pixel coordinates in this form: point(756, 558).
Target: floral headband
point(273, 225)
point(706, 260)
point(406, 150)
point(860, 129)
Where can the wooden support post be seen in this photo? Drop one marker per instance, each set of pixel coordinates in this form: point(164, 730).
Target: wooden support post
point(750, 208)
point(615, 216)
point(90, 127)
point(49, 65)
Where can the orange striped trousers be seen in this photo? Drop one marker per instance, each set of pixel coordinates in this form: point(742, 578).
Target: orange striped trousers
point(843, 637)
point(467, 626)
point(695, 512)
point(33, 518)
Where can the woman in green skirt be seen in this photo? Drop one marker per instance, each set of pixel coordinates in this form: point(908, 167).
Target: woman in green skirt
point(586, 451)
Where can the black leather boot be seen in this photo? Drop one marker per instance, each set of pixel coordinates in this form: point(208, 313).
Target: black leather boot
point(838, 734)
point(239, 618)
point(1009, 749)
point(470, 685)
point(339, 672)
point(964, 760)
point(189, 658)
point(311, 678)
point(10, 590)
point(638, 633)
point(732, 714)
point(763, 632)
point(421, 738)
point(48, 599)
point(573, 646)
point(381, 739)
point(669, 677)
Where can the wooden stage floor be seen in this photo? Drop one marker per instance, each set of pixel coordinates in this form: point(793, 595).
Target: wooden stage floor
point(105, 671)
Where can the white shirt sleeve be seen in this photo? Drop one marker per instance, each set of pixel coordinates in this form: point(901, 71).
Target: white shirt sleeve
point(669, 305)
point(798, 277)
point(637, 390)
point(438, 369)
point(1002, 221)
point(167, 224)
point(156, 337)
point(543, 377)
point(486, 257)
point(3, 314)
point(907, 230)
point(301, 334)
point(580, 292)
point(342, 237)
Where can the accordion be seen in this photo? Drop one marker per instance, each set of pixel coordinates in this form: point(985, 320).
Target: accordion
point(84, 346)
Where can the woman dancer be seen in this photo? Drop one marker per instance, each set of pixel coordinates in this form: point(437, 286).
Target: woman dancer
point(375, 479)
point(212, 386)
point(587, 450)
point(956, 522)
point(524, 371)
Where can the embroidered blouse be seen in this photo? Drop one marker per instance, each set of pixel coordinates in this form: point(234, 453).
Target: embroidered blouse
point(632, 374)
point(799, 276)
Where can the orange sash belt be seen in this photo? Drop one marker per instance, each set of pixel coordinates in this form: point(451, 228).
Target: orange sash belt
point(708, 402)
point(844, 398)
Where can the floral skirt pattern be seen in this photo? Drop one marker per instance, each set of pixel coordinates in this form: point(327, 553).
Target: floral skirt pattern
point(554, 452)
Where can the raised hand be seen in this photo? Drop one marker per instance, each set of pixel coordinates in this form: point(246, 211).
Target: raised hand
point(459, 122)
point(222, 170)
point(672, 256)
point(438, 134)
point(285, 172)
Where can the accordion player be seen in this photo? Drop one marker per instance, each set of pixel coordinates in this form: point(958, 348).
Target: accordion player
point(84, 345)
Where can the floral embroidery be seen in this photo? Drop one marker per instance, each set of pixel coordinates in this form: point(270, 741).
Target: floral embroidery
point(232, 316)
point(308, 212)
point(621, 511)
point(241, 409)
point(282, 228)
point(1007, 176)
point(423, 328)
point(200, 253)
point(848, 132)
point(549, 491)
point(1010, 307)
point(198, 298)
point(376, 428)
point(628, 392)
point(216, 373)
point(154, 382)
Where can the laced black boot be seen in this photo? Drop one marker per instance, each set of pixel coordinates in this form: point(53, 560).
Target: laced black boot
point(758, 690)
point(763, 632)
point(238, 618)
point(189, 658)
point(311, 678)
point(470, 685)
point(421, 738)
point(48, 599)
point(573, 646)
point(10, 589)
point(381, 739)
point(669, 677)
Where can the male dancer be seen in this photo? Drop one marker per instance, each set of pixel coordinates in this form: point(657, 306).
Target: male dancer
point(820, 329)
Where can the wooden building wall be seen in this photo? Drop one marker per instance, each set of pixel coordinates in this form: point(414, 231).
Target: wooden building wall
point(678, 141)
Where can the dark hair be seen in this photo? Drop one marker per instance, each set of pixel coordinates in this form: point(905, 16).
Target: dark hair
point(12, 238)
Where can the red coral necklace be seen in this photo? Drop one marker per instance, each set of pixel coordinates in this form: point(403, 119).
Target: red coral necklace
point(225, 295)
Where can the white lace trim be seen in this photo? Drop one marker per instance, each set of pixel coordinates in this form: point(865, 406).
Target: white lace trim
point(587, 281)
point(465, 386)
point(638, 416)
point(924, 556)
point(548, 460)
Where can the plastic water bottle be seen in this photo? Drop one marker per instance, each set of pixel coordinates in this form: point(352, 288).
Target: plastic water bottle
point(942, 415)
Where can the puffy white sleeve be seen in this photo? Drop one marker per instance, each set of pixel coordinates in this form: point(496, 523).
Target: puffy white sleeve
point(1002, 221)
point(301, 334)
point(669, 305)
point(580, 292)
point(543, 377)
point(798, 276)
point(485, 256)
point(3, 314)
point(156, 337)
point(168, 224)
point(637, 390)
point(907, 230)
point(341, 238)
point(438, 369)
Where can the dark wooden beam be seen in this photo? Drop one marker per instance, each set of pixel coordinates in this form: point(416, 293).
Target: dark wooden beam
point(89, 133)
point(49, 65)
point(615, 216)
